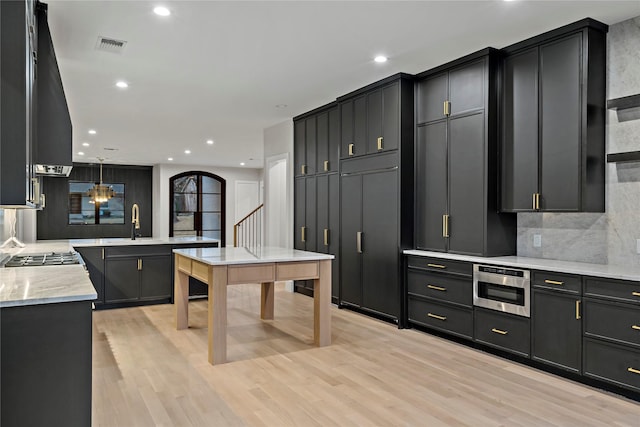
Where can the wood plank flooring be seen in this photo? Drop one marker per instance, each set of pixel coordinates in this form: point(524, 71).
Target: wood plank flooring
point(146, 373)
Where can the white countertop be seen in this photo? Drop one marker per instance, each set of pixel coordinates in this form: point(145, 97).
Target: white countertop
point(622, 272)
point(225, 256)
point(44, 285)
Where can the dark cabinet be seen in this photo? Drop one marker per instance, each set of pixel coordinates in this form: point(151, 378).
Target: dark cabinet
point(305, 146)
point(503, 331)
point(305, 213)
point(154, 274)
point(328, 141)
point(93, 258)
point(328, 224)
point(122, 280)
point(456, 171)
point(553, 121)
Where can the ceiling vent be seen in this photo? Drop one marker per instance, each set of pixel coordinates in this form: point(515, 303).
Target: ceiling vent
point(110, 45)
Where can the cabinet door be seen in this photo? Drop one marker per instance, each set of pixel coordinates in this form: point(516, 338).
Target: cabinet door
point(359, 126)
point(299, 147)
point(299, 217)
point(122, 280)
point(431, 185)
point(334, 140)
point(94, 261)
point(467, 88)
point(557, 330)
point(520, 131)
point(334, 231)
point(322, 213)
point(380, 291)
point(346, 127)
point(431, 95)
point(310, 141)
point(155, 277)
point(351, 224)
point(310, 214)
point(466, 184)
point(391, 117)
point(561, 123)
point(374, 120)
point(322, 141)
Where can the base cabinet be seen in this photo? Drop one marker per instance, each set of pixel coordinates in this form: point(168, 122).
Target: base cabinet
point(503, 331)
point(93, 258)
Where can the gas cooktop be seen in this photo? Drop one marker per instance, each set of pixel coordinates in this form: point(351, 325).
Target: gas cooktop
point(51, 258)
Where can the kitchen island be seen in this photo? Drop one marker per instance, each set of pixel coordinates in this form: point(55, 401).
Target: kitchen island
point(221, 267)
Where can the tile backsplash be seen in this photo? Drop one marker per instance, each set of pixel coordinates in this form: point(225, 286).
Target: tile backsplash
point(610, 237)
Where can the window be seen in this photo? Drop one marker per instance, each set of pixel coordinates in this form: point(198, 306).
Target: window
point(197, 205)
point(83, 211)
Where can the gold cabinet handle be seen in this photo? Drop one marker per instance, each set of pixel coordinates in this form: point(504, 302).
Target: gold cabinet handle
point(435, 316)
point(436, 266)
point(634, 371)
point(447, 108)
point(578, 317)
point(326, 165)
point(499, 331)
point(537, 201)
point(553, 282)
point(445, 225)
point(533, 201)
point(635, 294)
point(102, 253)
point(359, 242)
point(326, 237)
point(303, 169)
point(302, 232)
point(380, 143)
point(437, 288)
point(139, 264)
point(351, 149)
point(636, 327)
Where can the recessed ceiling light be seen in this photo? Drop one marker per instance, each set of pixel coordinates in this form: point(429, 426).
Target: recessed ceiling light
point(210, 141)
point(85, 144)
point(122, 84)
point(187, 151)
point(380, 59)
point(92, 132)
point(170, 159)
point(80, 153)
point(242, 164)
point(161, 10)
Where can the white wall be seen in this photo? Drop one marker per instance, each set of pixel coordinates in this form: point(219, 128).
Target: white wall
point(161, 175)
point(278, 142)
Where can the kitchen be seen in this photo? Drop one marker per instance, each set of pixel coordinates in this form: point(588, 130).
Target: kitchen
point(599, 237)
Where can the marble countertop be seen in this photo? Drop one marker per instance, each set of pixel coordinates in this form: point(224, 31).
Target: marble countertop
point(44, 285)
point(225, 256)
point(622, 272)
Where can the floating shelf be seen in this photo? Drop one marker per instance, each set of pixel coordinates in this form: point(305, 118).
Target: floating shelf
point(628, 156)
point(624, 102)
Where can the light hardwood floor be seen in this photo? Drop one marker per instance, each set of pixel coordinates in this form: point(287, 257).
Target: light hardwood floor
point(146, 373)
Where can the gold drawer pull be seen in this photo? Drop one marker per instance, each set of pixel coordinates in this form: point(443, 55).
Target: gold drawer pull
point(578, 317)
point(634, 371)
point(326, 165)
point(380, 143)
point(302, 232)
point(435, 316)
point(303, 169)
point(635, 294)
point(436, 288)
point(636, 327)
point(553, 282)
point(351, 149)
point(498, 331)
point(436, 266)
point(326, 237)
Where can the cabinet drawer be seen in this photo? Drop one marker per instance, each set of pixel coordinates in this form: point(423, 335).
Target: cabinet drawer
point(441, 286)
point(457, 321)
point(612, 363)
point(501, 330)
point(559, 281)
point(442, 265)
point(136, 251)
point(612, 320)
point(619, 290)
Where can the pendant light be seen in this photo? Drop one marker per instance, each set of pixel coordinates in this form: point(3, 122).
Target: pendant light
point(100, 193)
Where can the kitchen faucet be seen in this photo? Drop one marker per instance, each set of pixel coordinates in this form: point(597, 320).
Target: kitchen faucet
point(135, 220)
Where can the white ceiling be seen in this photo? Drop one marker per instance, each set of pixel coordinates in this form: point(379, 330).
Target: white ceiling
point(217, 69)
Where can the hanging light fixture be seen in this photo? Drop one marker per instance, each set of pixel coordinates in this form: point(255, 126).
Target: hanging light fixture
point(100, 193)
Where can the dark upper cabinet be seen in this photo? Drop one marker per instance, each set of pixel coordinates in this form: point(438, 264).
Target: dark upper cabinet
point(299, 147)
point(310, 139)
point(18, 50)
point(316, 141)
point(52, 139)
point(328, 140)
point(456, 160)
point(553, 120)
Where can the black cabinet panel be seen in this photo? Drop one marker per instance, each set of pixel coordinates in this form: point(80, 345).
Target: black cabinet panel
point(322, 141)
point(612, 321)
point(466, 184)
point(557, 329)
point(431, 95)
point(560, 109)
point(444, 287)
point(346, 127)
point(557, 281)
point(380, 242)
point(299, 147)
point(334, 140)
point(351, 225)
point(612, 363)
point(155, 277)
point(94, 261)
point(391, 117)
point(615, 290)
point(431, 187)
point(520, 131)
point(359, 126)
point(310, 141)
point(122, 280)
point(374, 120)
point(445, 318)
point(501, 330)
point(334, 232)
point(310, 214)
point(322, 213)
point(299, 189)
point(467, 88)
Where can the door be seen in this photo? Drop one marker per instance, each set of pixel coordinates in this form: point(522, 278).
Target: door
point(299, 147)
point(310, 142)
point(467, 88)
point(351, 225)
point(431, 185)
point(391, 117)
point(359, 126)
point(155, 277)
point(561, 123)
point(322, 209)
point(466, 184)
point(334, 232)
point(374, 120)
point(346, 127)
point(431, 95)
point(299, 215)
point(310, 212)
point(334, 140)
point(380, 291)
point(322, 142)
point(122, 280)
point(520, 132)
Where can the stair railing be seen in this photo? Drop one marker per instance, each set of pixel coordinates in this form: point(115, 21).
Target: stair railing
point(248, 231)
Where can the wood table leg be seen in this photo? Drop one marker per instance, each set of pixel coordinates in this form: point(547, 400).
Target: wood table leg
point(181, 297)
point(322, 306)
point(217, 314)
point(266, 300)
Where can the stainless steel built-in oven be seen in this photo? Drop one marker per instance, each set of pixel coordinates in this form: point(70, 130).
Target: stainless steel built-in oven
point(502, 289)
